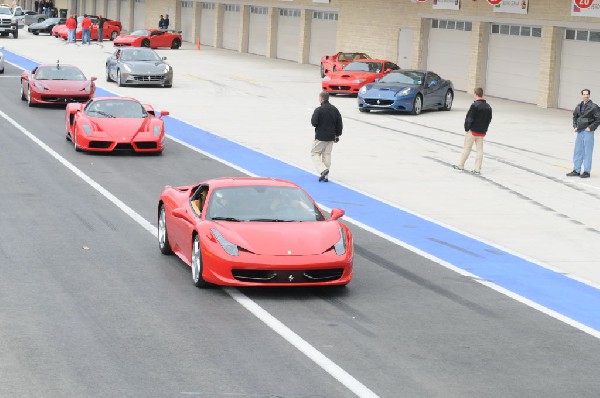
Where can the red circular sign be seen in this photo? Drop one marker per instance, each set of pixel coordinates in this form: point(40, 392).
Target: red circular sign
point(584, 3)
point(494, 2)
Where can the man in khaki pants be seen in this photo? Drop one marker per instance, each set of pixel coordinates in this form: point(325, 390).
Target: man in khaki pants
point(327, 122)
point(477, 122)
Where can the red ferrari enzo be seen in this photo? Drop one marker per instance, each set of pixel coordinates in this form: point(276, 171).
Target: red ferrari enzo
point(107, 124)
point(152, 38)
point(56, 84)
point(254, 232)
point(335, 62)
point(357, 74)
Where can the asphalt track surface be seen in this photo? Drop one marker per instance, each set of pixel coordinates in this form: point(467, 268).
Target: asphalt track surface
point(89, 307)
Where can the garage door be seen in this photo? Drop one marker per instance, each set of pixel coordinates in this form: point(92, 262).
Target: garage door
point(207, 24)
point(288, 34)
point(231, 26)
point(448, 52)
point(112, 9)
point(125, 16)
point(100, 7)
point(257, 30)
point(139, 15)
point(187, 20)
point(323, 35)
point(579, 67)
point(513, 65)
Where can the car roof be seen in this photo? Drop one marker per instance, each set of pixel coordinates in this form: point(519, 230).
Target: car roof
point(248, 181)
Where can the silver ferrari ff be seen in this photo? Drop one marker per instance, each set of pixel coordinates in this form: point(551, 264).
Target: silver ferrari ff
point(138, 66)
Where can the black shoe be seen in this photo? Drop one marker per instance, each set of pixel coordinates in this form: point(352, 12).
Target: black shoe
point(325, 179)
point(574, 173)
point(324, 175)
point(585, 174)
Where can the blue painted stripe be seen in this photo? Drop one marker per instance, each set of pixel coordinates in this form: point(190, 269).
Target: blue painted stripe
point(550, 289)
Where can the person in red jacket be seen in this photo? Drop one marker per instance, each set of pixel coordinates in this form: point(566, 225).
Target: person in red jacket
point(86, 24)
point(71, 27)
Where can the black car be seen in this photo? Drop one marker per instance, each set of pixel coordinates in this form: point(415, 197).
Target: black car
point(46, 26)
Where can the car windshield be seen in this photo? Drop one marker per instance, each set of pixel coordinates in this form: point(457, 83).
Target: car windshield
point(349, 57)
point(58, 73)
point(373, 67)
point(52, 20)
point(116, 108)
point(140, 55)
point(142, 32)
point(262, 204)
point(404, 77)
point(5, 11)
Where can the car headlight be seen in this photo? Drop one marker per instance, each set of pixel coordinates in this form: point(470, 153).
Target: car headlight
point(167, 68)
point(87, 128)
point(363, 90)
point(156, 130)
point(403, 92)
point(326, 78)
point(126, 67)
point(358, 80)
point(39, 86)
point(340, 245)
point(229, 247)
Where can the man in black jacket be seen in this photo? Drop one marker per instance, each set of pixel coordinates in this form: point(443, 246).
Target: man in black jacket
point(101, 21)
point(477, 122)
point(327, 122)
point(586, 119)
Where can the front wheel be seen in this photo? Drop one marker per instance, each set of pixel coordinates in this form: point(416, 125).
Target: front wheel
point(74, 139)
point(119, 78)
point(417, 105)
point(197, 264)
point(176, 44)
point(163, 237)
point(322, 71)
point(448, 101)
point(108, 79)
point(145, 43)
point(113, 35)
point(22, 93)
point(16, 34)
point(29, 103)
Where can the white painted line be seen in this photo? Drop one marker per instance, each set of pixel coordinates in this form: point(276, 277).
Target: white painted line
point(277, 326)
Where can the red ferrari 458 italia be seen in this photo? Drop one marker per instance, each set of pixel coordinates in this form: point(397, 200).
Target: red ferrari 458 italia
point(357, 74)
point(106, 124)
point(254, 232)
point(56, 84)
point(152, 38)
point(335, 62)
point(111, 30)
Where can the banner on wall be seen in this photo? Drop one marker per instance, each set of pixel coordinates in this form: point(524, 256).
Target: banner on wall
point(585, 8)
point(512, 6)
point(446, 4)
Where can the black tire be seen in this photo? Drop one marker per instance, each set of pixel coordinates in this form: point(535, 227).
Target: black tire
point(29, 103)
point(119, 79)
point(197, 264)
point(448, 100)
point(35, 33)
point(176, 44)
point(145, 43)
point(22, 92)
point(74, 140)
point(15, 34)
point(108, 78)
point(322, 71)
point(1, 71)
point(113, 35)
point(334, 69)
point(163, 236)
point(417, 105)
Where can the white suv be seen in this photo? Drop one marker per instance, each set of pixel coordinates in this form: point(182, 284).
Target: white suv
point(11, 20)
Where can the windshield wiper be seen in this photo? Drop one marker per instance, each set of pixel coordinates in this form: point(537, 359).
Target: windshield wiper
point(270, 220)
point(226, 219)
point(103, 113)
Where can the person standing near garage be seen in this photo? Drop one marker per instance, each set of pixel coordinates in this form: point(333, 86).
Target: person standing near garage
point(327, 121)
point(166, 22)
point(477, 122)
point(71, 25)
point(161, 22)
point(86, 24)
point(101, 21)
point(586, 119)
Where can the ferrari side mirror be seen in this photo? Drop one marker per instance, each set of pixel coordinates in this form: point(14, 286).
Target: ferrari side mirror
point(93, 78)
point(164, 113)
point(337, 213)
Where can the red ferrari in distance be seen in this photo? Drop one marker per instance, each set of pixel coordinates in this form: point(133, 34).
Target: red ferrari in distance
point(254, 232)
point(111, 30)
point(357, 74)
point(152, 38)
point(106, 124)
point(335, 62)
point(56, 84)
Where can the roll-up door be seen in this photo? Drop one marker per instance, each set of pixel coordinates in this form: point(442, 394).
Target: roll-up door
point(139, 15)
point(288, 34)
point(124, 16)
point(112, 9)
point(513, 64)
point(448, 50)
point(100, 7)
point(257, 30)
point(207, 24)
point(187, 20)
point(579, 67)
point(231, 26)
point(323, 35)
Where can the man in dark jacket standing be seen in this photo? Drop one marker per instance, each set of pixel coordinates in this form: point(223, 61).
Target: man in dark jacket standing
point(101, 21)
point(477, 121)
point(327, 122)
point(586, 119)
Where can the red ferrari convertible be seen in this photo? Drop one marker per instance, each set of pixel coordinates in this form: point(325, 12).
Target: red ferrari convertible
point(335, 62)
point(254, 232)
point(56, 84)
point(357, 74)
point(107, 124)
point(152, 38)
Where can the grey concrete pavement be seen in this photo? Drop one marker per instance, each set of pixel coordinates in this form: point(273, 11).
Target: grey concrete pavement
point(523, 202)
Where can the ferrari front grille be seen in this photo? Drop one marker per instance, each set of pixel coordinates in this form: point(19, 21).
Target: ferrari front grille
point(340, 87)
point(146, 145)
point(148, 78)
point(287, 276)
point(48, 98)
point(100, 144)
point(123, 147)
point(382, 102)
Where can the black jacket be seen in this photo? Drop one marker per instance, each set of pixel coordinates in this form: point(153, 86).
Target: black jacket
point(327, 122)
point(101, 23)
point(589, 118)
point(478, 117)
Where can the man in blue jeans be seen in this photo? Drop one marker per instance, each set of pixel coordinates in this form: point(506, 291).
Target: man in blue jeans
point(586, 119)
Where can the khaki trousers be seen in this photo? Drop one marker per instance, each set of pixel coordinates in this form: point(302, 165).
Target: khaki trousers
point(469, 140)
point(321, 154)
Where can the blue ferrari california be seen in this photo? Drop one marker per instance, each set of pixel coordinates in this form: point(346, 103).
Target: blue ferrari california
point(407, 91)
